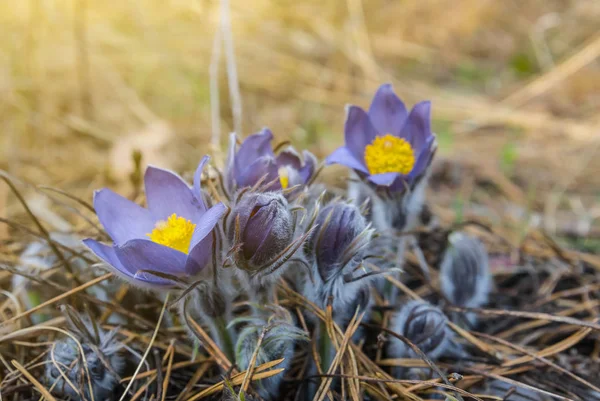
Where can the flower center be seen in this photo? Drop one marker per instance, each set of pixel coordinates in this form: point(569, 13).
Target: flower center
point(389, 154)
point(284, 177)
point(175, 232)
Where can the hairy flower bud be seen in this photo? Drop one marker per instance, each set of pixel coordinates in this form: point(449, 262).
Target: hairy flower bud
point(339, 240)
point(262, 226)
point(104, 360)
point(279, 338)
point(424, 325)
point(464, 274)
point(335, 251)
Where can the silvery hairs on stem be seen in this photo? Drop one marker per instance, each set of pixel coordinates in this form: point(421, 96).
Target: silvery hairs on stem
point(465, 276)
point(390, 210)
point(279, 336)
point(335, 253)
point(261, 232)
point(104, 361)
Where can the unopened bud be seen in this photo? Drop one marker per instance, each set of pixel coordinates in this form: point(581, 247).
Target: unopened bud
point(464, 273)
point(339, 240)
point(424, 325)
point(104, 361)
point(261, 225)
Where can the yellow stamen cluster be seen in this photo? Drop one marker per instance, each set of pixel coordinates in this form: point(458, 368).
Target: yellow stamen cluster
point(389, 154)
point(175, 232)
point(284, 177)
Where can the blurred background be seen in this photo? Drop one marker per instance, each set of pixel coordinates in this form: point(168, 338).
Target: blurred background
point(85, 85)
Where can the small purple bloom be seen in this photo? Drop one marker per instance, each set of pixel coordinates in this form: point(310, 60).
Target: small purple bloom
point(255, 160)
point(387, 145)
point(172, 236)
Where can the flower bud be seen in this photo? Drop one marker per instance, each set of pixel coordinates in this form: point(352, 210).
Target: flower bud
point(262, 226)
point(278, 342)
point(340, 239)
point(464, 273)
point(424, 325)
point(67, 355)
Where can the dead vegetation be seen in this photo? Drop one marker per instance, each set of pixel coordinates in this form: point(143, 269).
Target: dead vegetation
point(88, 87)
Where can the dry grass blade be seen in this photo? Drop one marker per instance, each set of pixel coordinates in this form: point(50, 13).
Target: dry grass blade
point(552, 350)
point(250, 371)
point(528, 315)
point(352, 327)
point(139, 367)
point(211, 347)
point(237, 379)
point(58, 298)
point(34, 381)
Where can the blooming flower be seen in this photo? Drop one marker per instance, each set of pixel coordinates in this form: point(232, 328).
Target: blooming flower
point(387, 145)
point(256, 159)
point(172, 236)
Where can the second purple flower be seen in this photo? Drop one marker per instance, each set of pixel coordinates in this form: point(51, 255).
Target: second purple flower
point(255, 160)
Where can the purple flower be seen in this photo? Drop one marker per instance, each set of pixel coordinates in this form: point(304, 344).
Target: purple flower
point(256, 159)
point(264, 229)
point(388, 146)
point(172, 236)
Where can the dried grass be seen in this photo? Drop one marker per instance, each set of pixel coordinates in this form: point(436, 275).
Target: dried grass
point(86, 84)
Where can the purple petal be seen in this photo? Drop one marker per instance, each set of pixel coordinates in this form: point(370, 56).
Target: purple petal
point(289, 157)
point(261, 167)
point(417, 130)
point(387, 112)
point(385, 179)
point(141, 254)
point(152, 280)
point(358, 131)
point(343, 156)
point(198, 182)
point(310, 165)
point(201, 246)
point(257, 230)
point(122, 219)
point(254, 147)
point(108, 255)
point(423, 159)
point(167, 193)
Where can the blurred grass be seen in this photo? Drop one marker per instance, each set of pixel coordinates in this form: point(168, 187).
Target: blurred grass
point(85, 83)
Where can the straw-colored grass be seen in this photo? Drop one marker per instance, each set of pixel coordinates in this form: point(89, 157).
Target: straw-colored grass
point(86, 85)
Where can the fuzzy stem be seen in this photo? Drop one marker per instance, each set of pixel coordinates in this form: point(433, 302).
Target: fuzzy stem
point(220, 331)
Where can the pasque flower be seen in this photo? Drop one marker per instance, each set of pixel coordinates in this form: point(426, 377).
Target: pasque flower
point(104, 361)
point(173, 236)
point(255, 160)
point(340, 239)
point(335, 251)
point(387, 145)
point(465, 273)
point(261, 225)
point(424, 325)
